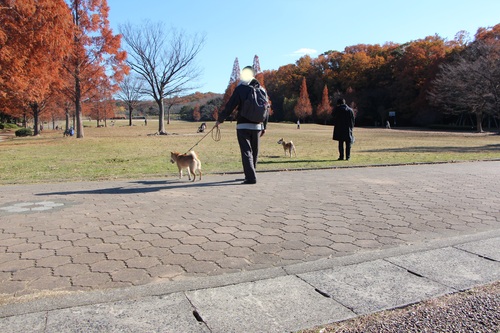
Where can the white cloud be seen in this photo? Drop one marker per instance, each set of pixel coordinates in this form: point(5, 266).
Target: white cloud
point(303, 51)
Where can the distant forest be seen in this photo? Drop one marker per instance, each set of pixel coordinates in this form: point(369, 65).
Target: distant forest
point(430, 81)
point(87, 71)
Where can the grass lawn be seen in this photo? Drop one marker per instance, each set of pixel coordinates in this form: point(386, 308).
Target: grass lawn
point(123, 152)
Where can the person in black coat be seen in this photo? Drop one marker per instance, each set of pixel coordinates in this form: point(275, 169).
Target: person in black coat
point(343, 122)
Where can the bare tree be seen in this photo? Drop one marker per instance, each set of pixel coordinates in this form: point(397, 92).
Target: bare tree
point(471, 83)
point(164, 59)
point(170, 103)
point(130, 93)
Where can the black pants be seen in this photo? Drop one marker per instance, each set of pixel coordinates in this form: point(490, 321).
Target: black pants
point(347, 150)
point(249, 146)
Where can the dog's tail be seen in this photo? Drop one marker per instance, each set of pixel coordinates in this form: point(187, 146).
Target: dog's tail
point(192, 153)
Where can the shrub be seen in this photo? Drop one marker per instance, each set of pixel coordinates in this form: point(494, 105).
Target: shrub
point(24, 132)
point(8, 126)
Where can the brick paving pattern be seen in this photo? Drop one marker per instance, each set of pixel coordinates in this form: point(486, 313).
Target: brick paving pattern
point(95, 235)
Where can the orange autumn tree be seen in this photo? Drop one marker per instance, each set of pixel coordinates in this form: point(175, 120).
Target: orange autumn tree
point(233, 83)
point(34, 38)
point(95, 60)
point(324, 108)
point(227, 95)
point(100, 107)
point(196, 113)
point(303, 108)
point(260, 77)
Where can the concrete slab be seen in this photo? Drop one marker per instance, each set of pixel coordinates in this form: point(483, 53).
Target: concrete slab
point(373, 286)
point(171, 313)
point(33, 323)
point(489, 248)
point(281, 304)
point(452, 267)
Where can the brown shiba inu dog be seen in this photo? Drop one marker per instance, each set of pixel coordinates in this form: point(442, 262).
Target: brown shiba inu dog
point(187, 161)
point(288, 146)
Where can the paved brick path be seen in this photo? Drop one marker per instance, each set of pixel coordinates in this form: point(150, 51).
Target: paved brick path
point(93, 235)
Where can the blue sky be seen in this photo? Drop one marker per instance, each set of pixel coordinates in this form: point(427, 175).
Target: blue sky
point(281, 31)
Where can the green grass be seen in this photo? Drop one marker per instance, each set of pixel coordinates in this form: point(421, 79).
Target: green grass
point(123, 152)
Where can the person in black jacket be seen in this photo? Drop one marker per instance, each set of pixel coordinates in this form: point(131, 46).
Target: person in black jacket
point(343, 120)
point(248, 132)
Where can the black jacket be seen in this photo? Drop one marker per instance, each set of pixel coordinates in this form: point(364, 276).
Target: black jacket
point(240, 94)
point(343, 120)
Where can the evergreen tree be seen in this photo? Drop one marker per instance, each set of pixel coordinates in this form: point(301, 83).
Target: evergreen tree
point(235, 74)
point(256, 64)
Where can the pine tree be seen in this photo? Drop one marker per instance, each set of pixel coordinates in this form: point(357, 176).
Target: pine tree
point(303, 108)
point(256, 64)
point(235, 74)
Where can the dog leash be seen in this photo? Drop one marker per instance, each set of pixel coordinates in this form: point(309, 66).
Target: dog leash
point(216, 136)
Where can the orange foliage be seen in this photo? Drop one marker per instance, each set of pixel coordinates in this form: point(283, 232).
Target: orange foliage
point(488, 33)
point(227, 95)
point(324, 108)
point(95, 62)
point(303, 109)
point(34, 38)
point(196, 113)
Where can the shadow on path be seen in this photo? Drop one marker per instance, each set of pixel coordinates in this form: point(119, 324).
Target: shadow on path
point(150, 186)
point(493, 147)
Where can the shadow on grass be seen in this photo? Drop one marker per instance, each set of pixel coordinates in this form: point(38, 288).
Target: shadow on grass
point(494, 147)
point(149, 187)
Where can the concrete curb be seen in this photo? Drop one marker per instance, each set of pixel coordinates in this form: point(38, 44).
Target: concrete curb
point(112, 295)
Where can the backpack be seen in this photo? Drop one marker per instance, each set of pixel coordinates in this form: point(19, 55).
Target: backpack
point(256, 107)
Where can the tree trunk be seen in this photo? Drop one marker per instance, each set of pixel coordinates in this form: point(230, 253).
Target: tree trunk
point(66, 115)
point(36, 126)
point(161, 117)
point(78, 108)
point(130, 109)
point(479, 122)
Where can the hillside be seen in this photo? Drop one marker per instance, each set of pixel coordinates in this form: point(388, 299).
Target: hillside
point(150, 108)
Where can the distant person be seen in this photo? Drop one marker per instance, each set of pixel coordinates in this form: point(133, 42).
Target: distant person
point(247, 131)
point(343, 121)
point(298, 123)
point(387, 124)
point(145, 121)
